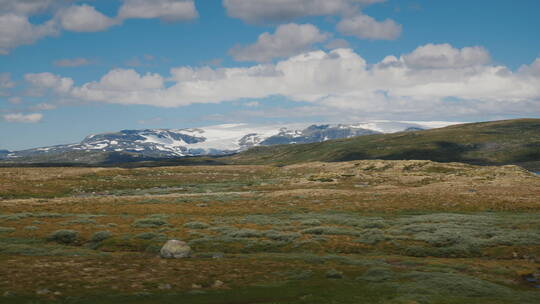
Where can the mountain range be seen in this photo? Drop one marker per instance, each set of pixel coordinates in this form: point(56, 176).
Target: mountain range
point(146, 144)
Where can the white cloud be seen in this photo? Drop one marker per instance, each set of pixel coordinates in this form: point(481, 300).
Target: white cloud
point(75, 62)
point(365, 27)
point(23, 118)
point(25, 7)
point(42, 107)
point(43, 81)
point(252, 104)
point(531, 70)
point(16, 30)
point(339, 79)
point(446, 56)
point(5, 81)
point(257, 11)
point(125, 86)
point(168, 10)
point(337, 44)
point(84, 18)
point(289, 39)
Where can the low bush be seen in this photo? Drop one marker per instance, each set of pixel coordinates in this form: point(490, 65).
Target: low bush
point(149, 223)
point(100, 236)
point(196, 225)
point(148, 236)
point(322, 230)
point(66, 237)
point(6, 229)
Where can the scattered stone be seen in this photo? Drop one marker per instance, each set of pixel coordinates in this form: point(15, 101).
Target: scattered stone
point(202, 205)
point(42, 291)
point(196, 286)
point(334, 274)
point(7, 294)
point(57, 293)
point(218, 284)
point(218, 255)
point(175, 249)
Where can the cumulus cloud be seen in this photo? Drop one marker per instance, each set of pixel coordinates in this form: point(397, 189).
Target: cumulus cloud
point(25, 7)
point(84, 18)
point(23, 118)
point(16, 29)
point(365, 27)
point(446, 56)
point(70, 63)
point(259, 11)
point(168, 10)
point(289, 39)
point(337, 44)
point(531, 70)
point(339, 79)
point(40, 82)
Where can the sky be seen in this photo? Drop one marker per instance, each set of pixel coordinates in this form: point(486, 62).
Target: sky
point(72, 68)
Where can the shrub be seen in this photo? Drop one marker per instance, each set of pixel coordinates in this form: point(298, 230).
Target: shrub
point(245, 233)
point(329, 230)
point(6, 229)
point(31, 228)
point(334, 274)
point(377, 274)
point(196, 225)
point(149, 223)
point(101, 236)
point(311, 222)
point(66, 237)
point(281, 236)
point(371, 237)
point(147, 236)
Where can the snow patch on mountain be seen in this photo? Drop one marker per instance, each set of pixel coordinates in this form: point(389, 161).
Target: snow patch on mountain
point(221, 139)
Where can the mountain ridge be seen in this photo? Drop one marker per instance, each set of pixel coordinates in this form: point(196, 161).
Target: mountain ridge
point(148, 144)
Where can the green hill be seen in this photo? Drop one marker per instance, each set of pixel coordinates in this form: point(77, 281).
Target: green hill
point(485, 143)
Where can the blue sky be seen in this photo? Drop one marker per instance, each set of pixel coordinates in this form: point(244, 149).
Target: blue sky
point(71, 68)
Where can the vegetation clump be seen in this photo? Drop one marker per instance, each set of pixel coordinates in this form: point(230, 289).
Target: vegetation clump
point(100, 236)
point(66, 237)
point(196, 225)
point(151, 222)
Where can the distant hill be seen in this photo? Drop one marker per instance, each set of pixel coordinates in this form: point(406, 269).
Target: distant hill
point(494, 143)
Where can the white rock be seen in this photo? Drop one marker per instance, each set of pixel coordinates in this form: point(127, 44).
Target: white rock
point(175, 249)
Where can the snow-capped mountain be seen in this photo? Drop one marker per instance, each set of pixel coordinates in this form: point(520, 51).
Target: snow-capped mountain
point(215, 140)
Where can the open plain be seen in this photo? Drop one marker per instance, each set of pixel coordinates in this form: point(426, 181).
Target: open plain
point(368, 231)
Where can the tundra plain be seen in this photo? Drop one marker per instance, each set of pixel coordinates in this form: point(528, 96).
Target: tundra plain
point(370, 231)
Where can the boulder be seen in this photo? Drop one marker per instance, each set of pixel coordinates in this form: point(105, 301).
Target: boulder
point(175, 249)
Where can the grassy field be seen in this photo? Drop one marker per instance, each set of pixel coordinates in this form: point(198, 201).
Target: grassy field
point(371, 231)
